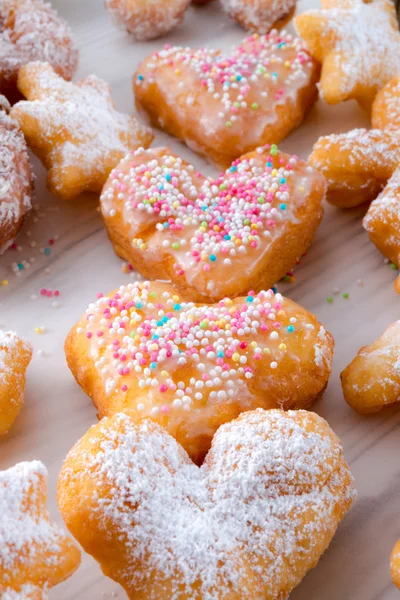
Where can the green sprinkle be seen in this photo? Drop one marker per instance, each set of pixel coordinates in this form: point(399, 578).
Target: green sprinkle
point(176, 245)
point(254, 106)
point(393, 266)
point(345, 295)
point(274, 150)
point(228, 124)
point(329, 299)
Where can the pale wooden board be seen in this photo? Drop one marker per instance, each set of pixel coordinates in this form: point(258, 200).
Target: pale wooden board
point(57, 413)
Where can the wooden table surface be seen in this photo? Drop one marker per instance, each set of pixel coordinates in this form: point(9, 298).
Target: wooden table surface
point(82, 262)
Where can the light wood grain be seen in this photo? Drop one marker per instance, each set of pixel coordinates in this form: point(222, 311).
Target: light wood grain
point(81, 263)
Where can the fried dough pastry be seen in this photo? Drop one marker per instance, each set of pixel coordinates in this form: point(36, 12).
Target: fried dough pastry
point(362, 165)
point(395, 564)
point(16, 178)
point(15, 356)
point(213, 237)
point(193, 367)
point(371, 381)
point(260, 15)
point(247, 525)
point(225, 106)
point(32, 30)
point(35, 554)
point(358, 44)
point(148, 20)
point(74, 129)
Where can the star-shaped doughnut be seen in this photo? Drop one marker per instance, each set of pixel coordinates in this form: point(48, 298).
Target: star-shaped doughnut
point(249, 523)
point(358, 44)
point(225, 105)
point(213, 237)
point(35, 554)
point(361, 164)
point(192, 367)
point(74, 128)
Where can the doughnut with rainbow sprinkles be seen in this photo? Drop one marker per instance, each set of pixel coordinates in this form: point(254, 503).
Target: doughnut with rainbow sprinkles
point(191, 367)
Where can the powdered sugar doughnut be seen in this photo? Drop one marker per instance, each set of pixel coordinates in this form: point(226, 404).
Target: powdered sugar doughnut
point(15, 356)
point(32, 30)
point(248, 524)
point(260, 15)
point(35, 554)
point(148, 20)
point(16, 179)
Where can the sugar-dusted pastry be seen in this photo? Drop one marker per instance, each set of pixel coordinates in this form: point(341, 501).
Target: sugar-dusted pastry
point(372, 380)
point(358, 44)
point(362, 165)
point(260, 15)
point(193, 367)
point(32, 30)
point(247, 525)
point(15, 356)
point(16, 179)
point(35, 554)
point(223, 106)
point(395, 564)
point(148, 20)
point(74, 128)
point(213, 237)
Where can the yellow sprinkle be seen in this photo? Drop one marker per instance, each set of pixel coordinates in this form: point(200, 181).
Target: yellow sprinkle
point(236, 357)
point(39, 329)
point(287, 64)
point(164, 373)
point(253, 344)
point(4, 282)
point(147, 174)
point(175, 298)
point(177, 71)
point(274, 172)
point(228, 301)
point(281, 313)
point(143, 246)
point(282, 346)
point(238, 242)
point(267, 76)
point(254, 226)
point(267, 351)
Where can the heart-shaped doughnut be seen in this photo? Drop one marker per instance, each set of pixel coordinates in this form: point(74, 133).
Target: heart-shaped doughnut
point(247, 525)
point(213, 237)
point(223, 106)
point(193, 367)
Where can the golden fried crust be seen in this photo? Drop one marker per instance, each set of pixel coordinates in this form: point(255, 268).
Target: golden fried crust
point(358, 44)
point(16, 178)
point(15, 356)
point(371, 381)
point(193, 367)
point(148, 20)
point(260, 15)
point(195, 232)
point(395, 564)
point(74, 129)
point(386, 107)
point(248, 524)
point(225, 106)
point(35, 554)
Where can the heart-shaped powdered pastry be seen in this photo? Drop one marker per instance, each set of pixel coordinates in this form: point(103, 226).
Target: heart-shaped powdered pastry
point(247, 525)
point(213, 237)
point(193, 367)
point(226, 105)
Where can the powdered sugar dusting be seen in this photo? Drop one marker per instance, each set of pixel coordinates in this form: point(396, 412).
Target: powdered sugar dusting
point(32, 30)
point(16, 180)
point(272, 486)
point(147, 20)
point(25, 533)
point(258, 15)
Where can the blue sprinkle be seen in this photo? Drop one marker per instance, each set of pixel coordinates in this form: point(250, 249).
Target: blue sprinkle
point(213, 258)
point(282, 206)
point(159, 323)
point(168, 177)
point(274, 289)
point(227, 237)
point(154, 337)
point(233, 169)
point(269, 164)
point(238, 78)
point(165, 319)
point(177, 307)
point(47, 251)
point(138, 305)
point(249, 299)
point(281, 44)
point(140, 77)
point(166, 225)
point(290, 329)
point(153, 365)
point(220, 355)
point(20, 266)
point(283, 180)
